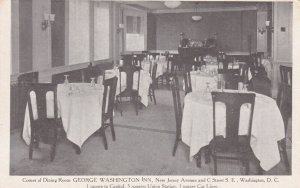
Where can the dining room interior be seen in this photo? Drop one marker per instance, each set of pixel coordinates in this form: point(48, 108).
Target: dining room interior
point(151, 87)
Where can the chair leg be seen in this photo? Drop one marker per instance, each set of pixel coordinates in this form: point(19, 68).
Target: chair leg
point(31, 146)
point(198, 159)
point(77, 149)
point(136, 105)
point(150, 94)
point(284, 155)
point(175, 146)
point(215, 165)
point(36, 142)
point(260, 171)
point(246, 163)
point(207, 154)
point(118, 101)
point(112, 129)
point(53, 147)
point(153, 93)
point(102, 131)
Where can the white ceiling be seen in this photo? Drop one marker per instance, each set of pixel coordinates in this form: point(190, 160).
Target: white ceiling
point(159, 5)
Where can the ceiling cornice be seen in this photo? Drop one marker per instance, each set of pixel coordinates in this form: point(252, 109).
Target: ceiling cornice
point(225, 9)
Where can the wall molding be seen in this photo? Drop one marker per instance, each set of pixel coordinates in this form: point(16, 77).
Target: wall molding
point(199, 10)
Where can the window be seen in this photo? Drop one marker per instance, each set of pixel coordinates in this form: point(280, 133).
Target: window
point(79, 32)
point(101, 30)
point(89, 42)
point(135, 30)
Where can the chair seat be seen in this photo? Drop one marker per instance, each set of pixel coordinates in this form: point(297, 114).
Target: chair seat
point(221, 147)
point(128, 93)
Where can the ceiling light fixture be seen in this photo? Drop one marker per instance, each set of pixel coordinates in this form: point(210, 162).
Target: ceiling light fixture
point(172, 4)
point(196, 17)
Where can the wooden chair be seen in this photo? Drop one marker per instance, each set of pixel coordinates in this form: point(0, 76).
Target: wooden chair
point(286, 74)
point(222, 61)
point(243, 72)
point(43, 123)
point(92, 72)
point(133, 94)
point(127, 59)
point(177, 110)
point(153, 85)
point(286, 77)
point(232, 146)
point(255, 62)
point(187, 82)
point(285, 107)
point(108, 102)
point(19, 96)
point(261, 84)
point(137, 59)
point(155, 56)
point(170, 72)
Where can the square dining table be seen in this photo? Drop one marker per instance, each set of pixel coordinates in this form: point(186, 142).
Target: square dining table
point(80, 108)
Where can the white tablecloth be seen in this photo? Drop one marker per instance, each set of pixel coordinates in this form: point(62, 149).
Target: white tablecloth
point(267, 127)
point(79, 106)
point(268, 67)
point(161, 65)
point(145, 81)
point(200, 80)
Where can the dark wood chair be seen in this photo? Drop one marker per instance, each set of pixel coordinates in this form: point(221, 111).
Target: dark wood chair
point(286, 77)
point(255, 62)
point(127, 59)
point(243, 72)
point(232, 146)
point(129, 92)
point(153, 85)
point(155, 56)
point(108, 102)
point(222, 61)
point(286, 74)
point(187, 82)
point(170, 72)
point(177, 110)
point(261, 84)
point(19, 97)
point(92, 72)
point(285, 107)
point(137, 59)
point(44, 124)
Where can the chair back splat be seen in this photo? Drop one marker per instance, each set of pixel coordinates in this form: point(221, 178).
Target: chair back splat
point(43, 118)
point(286, 79)
point(286, 74)
point(232, 146)
point(108, 103)
point(177, 110)
point(187, 82)
point(285, 107)
point(109, 95)
point(233, 103)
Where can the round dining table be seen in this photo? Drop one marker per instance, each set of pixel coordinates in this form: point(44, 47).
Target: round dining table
point(267, 125)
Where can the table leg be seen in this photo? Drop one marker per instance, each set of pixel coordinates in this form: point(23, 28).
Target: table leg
point(77, 149)
point(207, 154)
